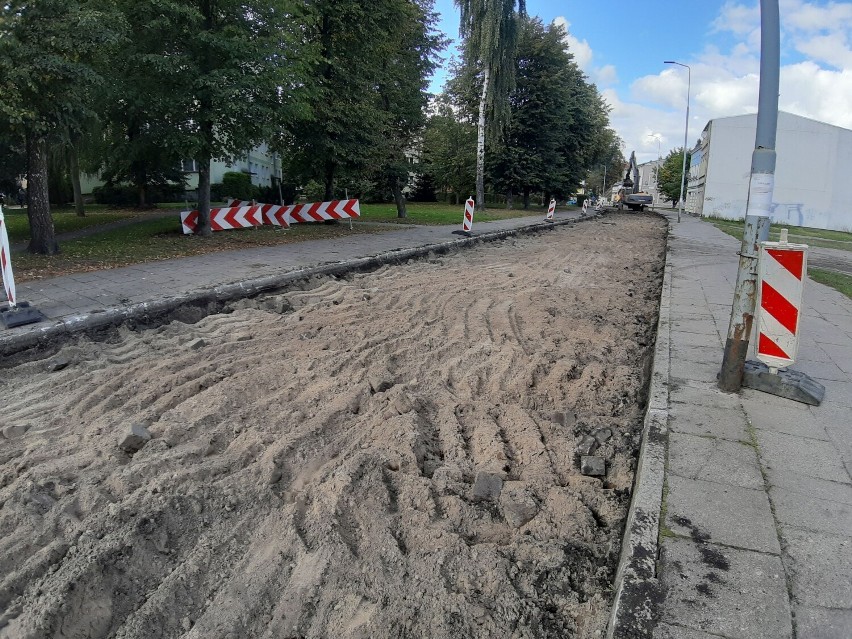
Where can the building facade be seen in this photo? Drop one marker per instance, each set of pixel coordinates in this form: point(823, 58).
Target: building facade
point(813, 160)
point(648, 179)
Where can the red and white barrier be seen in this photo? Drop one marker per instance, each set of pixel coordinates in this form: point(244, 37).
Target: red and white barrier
point(225, 219)
point(322, 211)
point(6, 262)
point(467, 224)
point(781, 273)
point(551, 209)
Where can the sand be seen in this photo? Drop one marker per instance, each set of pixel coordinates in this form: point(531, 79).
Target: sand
point(390, 454)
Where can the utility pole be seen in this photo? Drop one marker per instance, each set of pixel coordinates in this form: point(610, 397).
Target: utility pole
point(760, 190)
point(603, 188)
point(685, 133)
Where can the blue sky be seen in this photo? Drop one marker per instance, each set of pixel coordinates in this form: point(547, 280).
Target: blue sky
point(621, 45)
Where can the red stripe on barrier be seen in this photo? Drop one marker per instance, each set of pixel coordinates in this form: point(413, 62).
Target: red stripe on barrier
point(349, 208)
point(312, 211)
point(766, 346)
point(793, 261)
point(777, 305)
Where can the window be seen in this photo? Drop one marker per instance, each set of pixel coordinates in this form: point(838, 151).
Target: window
point(189, 166)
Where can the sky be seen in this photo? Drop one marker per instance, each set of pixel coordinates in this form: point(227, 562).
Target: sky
point(621, 45)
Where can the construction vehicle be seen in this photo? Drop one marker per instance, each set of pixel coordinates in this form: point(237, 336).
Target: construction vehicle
point(629, 194)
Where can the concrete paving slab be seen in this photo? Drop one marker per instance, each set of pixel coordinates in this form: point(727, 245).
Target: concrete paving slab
point(708, 421)
point(793, 509)
point(822, 623)
point(721, 513)
point(801, 423)
point(668, 631)
point(837, 392)
point(822, 568)
point(698, 354)
point(809, 487)
point(704, 372)
point(704, 394)
point(686, 339)
point(810, 457)
point(734, 593)
point(714, 460)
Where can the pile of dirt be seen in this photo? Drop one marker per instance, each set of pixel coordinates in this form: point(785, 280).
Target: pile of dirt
point(393, 454)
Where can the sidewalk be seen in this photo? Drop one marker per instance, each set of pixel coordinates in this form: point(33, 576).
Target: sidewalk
point(756, 523)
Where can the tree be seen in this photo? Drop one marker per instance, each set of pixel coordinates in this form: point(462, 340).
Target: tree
point(407, 64)
point(448, 151)
point(489, 28)
point(671, 174)
point(48, 57)
point(558, 126)
point(243, 65)
point(367, 92)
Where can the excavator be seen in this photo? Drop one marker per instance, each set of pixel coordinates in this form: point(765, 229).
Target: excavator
point(629, 194)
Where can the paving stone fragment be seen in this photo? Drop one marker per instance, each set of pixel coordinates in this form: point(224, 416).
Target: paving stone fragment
point(565, 418)
point(603, 435)
point(517, 503)
point(593, 466)
point(587, 445)
point(58, 364)
point(134, 438)
point(15, 430)
point(195, 344)
point(487, 486)
point(380, 383)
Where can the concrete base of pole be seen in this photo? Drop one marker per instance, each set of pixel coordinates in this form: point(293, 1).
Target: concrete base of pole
point(21, 315)
point(786, 383)
point(731, 375)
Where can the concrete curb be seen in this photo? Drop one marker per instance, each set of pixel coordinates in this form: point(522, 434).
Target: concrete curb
point(209, 300)
point(638, 592)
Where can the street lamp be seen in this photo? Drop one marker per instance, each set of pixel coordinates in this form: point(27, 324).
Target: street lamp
point(603, 188)
point(685, 133)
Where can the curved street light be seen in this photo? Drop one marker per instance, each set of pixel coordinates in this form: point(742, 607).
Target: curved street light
point(685, 133)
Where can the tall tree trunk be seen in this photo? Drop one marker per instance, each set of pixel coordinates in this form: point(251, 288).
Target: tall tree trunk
point(329, 180)
point(204, 229)
point(526, 197)
point(399, 198)
point(205, 119)
point(480, 141)
point(42, 235)
point(74, 170)
point(510, 199)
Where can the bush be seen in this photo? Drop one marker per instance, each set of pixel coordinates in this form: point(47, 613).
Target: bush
point(127, 195)
point(238, 186)
point(580, 199)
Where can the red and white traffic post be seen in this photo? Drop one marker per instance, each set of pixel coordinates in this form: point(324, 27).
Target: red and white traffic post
point(551, 209)
point(15, 314)
point(467, 224)
point(782, 268)
point(6, 262)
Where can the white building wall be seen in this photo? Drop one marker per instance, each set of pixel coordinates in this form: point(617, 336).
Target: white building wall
point(809, 176)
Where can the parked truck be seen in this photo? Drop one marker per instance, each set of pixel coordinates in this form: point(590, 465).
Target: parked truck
point(629, 194)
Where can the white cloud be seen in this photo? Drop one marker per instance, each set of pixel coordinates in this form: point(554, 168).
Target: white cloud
point(726, 82)
point(581, 49)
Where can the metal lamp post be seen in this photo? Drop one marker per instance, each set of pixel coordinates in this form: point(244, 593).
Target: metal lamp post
point(685, 132)
point(603, 187)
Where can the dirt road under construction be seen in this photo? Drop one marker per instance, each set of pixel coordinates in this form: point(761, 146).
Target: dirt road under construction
point(391, 454)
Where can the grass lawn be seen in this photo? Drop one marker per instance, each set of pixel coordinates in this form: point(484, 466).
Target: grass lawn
point(800, 234)
point(440, 213)
point(837, 281)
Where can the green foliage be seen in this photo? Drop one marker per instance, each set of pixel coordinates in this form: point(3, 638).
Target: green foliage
point(128, 195)
point(490, 31)
point(449, 151)
point(238, 185)
point(671, 174)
